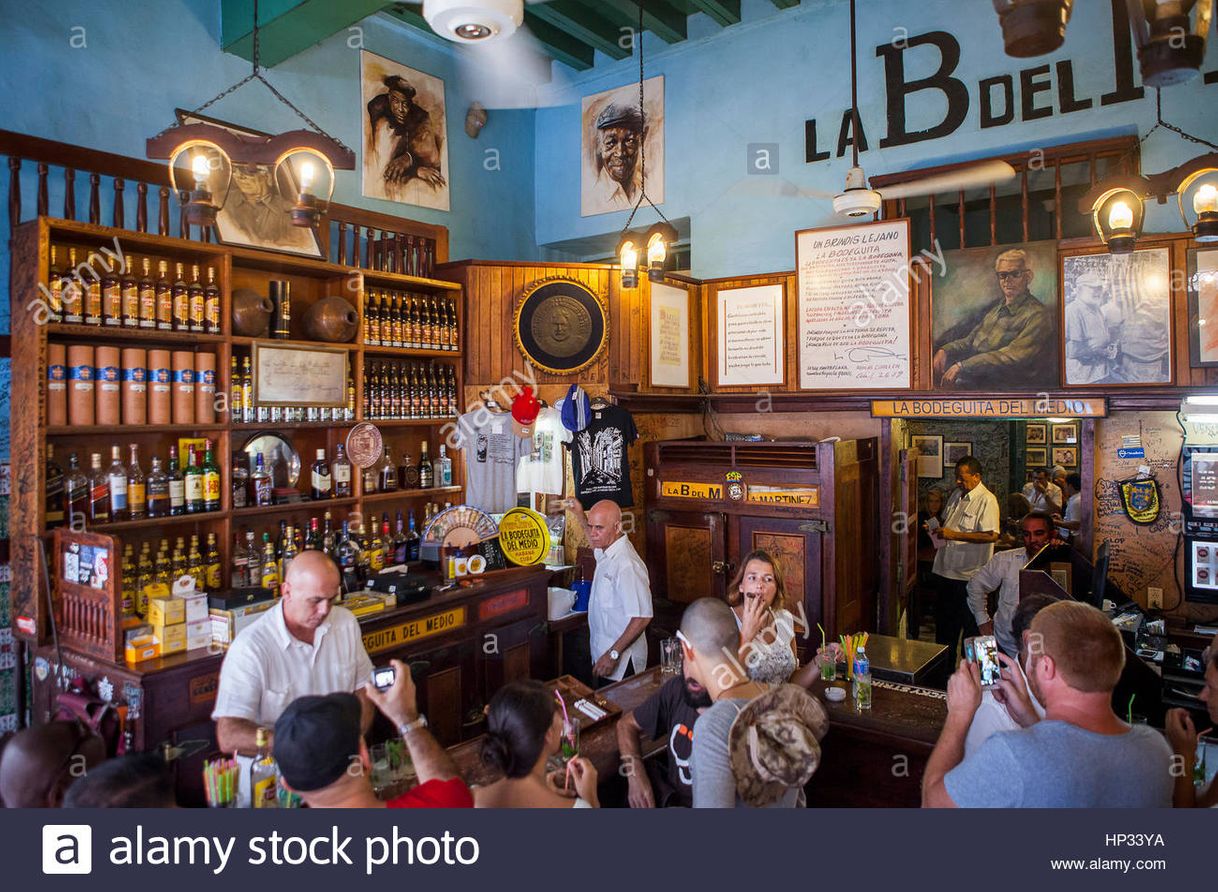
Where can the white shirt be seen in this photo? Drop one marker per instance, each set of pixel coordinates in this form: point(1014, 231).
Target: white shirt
point(1001, 572)
point(973, 512)
point(620, 592)
point(541, 469)
point(1074, 511)
point(992, 717)
point(267, 668)
point(1038, 500)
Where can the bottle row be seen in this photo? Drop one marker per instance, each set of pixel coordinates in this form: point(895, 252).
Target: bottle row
point(245, 409)
point(397, 390)
point(114, 290)
point(122, 491)
point(411, 255)
point(202, 563)
point(403, 319)
point(429, 473)
point(129, 385)
point(253, 479)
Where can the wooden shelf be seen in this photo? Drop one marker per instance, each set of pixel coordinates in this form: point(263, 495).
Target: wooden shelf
point(407, 281)
point(150, 522)
point(106, 333)
point(417, 352)
point(132, 430)
point(411, 493)
point(276, 342)
point(411, 422)
point(302, 505)
point(290, 426)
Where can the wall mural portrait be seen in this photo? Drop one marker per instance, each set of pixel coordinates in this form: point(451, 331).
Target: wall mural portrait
point(994, 315)
point(404, 134)
point(614, 137)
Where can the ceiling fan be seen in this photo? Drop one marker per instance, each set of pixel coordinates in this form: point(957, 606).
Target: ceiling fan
point(859, 200)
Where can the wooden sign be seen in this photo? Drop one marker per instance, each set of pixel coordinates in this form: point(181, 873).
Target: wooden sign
point(300, 376)
point(675, 490)
point(413, 630)
point(991, 407)
point(803, 496)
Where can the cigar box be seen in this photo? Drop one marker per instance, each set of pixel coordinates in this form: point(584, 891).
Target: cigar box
point(195, 608)
point(171, 639)
point(198, 633)
point(166, 611)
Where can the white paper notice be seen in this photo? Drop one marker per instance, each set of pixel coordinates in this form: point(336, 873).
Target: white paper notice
point(669, 336)
point(854, 307)
point(751, 335)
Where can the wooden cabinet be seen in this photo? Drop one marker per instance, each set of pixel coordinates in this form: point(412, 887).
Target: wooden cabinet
point(688, 559)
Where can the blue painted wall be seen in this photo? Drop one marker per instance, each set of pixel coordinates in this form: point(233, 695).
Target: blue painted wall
point(758, 81)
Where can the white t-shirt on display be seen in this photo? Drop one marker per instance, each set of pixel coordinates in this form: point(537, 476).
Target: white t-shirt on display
point(541, 469)
point(491, 451)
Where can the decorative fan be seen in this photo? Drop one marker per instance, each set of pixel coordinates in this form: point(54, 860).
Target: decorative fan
point(458, 527)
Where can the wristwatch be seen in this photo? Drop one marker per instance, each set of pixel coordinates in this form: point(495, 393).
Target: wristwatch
point(420, 722)
point(614, 655)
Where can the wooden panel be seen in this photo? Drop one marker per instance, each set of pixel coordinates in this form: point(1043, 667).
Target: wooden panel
point(791, 552)
point(444, 704)
point(687, 553)
point(516, 663)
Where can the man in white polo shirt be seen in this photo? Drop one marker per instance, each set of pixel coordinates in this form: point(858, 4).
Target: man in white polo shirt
point(964, 543)
point(302, 645)
point(1001, 574)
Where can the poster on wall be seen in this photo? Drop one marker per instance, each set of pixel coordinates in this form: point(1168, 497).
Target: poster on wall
point(854, 306)
point(750, 335)
point(404, 134)
point(994, 319)
point(1203, 306)
point(669, 336)
point(930, 455)
point(613, 139)
point(1117, 310)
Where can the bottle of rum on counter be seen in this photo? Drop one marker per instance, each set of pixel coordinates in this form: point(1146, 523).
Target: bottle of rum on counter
point(264, 774)
point(112, 298)
point(55, 288)
point(181, 300)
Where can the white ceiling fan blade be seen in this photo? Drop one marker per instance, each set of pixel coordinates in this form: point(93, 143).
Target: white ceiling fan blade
point(971, 177)
point(515, 72)
point(773, 187)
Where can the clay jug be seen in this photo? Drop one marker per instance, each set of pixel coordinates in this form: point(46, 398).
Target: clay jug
point(251, 313)
point(331, 319)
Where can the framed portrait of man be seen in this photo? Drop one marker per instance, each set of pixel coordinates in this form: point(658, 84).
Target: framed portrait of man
point(1036, 457)
point(1117, 321)
point(1203, 306)
point(994, 316)
point(1066, 456)
point(1036, 433)
point(405, 128)
point(257, 207)
point(614, 137)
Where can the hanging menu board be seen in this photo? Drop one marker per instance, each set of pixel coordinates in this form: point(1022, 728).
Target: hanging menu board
point(854, 307)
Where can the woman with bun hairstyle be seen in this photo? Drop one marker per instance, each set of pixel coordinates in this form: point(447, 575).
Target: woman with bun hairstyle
point(523, 729)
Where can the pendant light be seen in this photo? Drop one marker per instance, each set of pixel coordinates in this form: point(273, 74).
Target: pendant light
point(1170, 36)
point(1032, 27)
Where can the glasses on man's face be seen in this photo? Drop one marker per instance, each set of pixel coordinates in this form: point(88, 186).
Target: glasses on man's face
point(1005, 274)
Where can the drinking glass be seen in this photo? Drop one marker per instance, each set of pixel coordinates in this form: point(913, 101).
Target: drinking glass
point(392, 770)
point(828, 665)
point(670, 657)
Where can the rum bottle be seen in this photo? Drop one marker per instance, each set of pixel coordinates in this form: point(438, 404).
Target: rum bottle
point(147, 296)
point(321, 481)
point(157, 490)
point(137, 491)
point(198, 301)
point(55, 288)
point(164, 297)
point(112, 298)
point(73, 298)
point(181, 300)
point(341, 469)
point(211, 303)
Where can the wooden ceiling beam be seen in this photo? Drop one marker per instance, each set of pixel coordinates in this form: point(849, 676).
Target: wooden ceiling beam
point(659, 17)
point(585, 24)
point(288, 27)
point(559, 44)
point(725, 12)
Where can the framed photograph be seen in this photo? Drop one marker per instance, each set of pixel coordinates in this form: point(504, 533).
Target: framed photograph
point(613, 136)
point(1065, 434)
point(669, 336)
point(1117, 325)
point(994, 318)
point(953, 452)
point(256, 212)
point(751, 335)
point(1036, 457)
point(1203, 307)
point(1037, 433)
point(930, 455)
point(299, 376)
point(1066, 456)
point(405, 129)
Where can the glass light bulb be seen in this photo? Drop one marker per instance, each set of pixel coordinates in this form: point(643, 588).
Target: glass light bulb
point(1120, 216)
point(657, 251)
point(1205, 199)
point(307, 172)
point(201, 168)
point(630, 256)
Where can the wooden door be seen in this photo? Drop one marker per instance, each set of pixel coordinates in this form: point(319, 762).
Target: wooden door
point(690, 554)
point(795, 544)
point(449, 693)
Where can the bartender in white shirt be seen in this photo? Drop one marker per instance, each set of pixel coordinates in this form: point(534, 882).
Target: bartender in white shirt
point(1071, 522)
point(619, 609)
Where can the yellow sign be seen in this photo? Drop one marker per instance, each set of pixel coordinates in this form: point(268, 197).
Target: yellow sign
point(674, 490)
point(524, 536)
point(806, 496)
point(395, 636)
point(990, 407)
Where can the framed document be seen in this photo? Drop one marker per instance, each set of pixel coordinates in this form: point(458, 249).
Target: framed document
point(669, 336)
point(750, 335)
point(1203, 307)
point(854, 306)
point(930, 455)
point(300, 376)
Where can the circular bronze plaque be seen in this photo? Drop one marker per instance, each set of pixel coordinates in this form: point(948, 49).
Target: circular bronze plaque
point(560, 325)
point(364, 445)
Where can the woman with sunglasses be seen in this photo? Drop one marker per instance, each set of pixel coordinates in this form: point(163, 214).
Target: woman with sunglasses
point(767, 629)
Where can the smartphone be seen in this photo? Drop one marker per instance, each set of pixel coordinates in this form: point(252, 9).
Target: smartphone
point(384, 677)
point(985, 654)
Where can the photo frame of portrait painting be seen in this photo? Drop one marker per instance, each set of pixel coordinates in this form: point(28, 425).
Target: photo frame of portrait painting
point(954, 451)
point(1066, 456)
point(1116, 326)
point(1036, 433)
point(930, 455)
point(1036, 457)
point(1065, 434)
point(1203, 307)
point(404, 128)
point(966, 302)
point(256, 211)
point(560, 325)
point(669, 336)
point(613, 143)
point(751, 336)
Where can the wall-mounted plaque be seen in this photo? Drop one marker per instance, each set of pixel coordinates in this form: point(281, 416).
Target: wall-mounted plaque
point(750, 335)
point(669, 336)
point(300, 376)
point(560, 325)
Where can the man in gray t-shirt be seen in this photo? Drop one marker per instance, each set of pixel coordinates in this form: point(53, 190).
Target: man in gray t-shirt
point(1081, 755)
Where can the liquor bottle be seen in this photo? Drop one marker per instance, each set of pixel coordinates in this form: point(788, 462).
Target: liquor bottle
point(195, 566)
point(288, 554)
point(128, 580)
point(73, 298)
point(264, 774)
point(112, 298)
point(137, 490)
point(54, 490)
point(181, 300)
point(445, 477)
point(363, 565)
point(211, 303)
point(197, 306)
point(235, 405)
point(147, 298)
point(160, 572)
point(247, 392)
point(386, 474)
point(427, 478)
point(349, 410)
point(117, 480)
point(372, 320)
point(313, 539)
point(252, 561)
point(192, 480)
point(76, 493)
point(321, 480)
point(413, 540)
point(211, 479)
point(212, 576)
point(399, 540)
point(281, 314)
point(177, 484)
point(408, 472)
point(143, 579)
point(341, 469)
point(177, 564)
point(376, 548)
point(93, 297)
point(412, 324)
point(346, 554)
point(157, 490)
point(270, 566)
point(240, 479)
point(240, 576)
point(261, 485)
point(164, 297)
point(432, 409)
point(55, 288)
point(327, 535)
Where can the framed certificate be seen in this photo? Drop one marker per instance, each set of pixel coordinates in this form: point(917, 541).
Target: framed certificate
point(300, 376)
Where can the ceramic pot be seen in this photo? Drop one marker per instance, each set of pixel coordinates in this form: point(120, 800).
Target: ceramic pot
point(331, 319)
point(251, 313)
